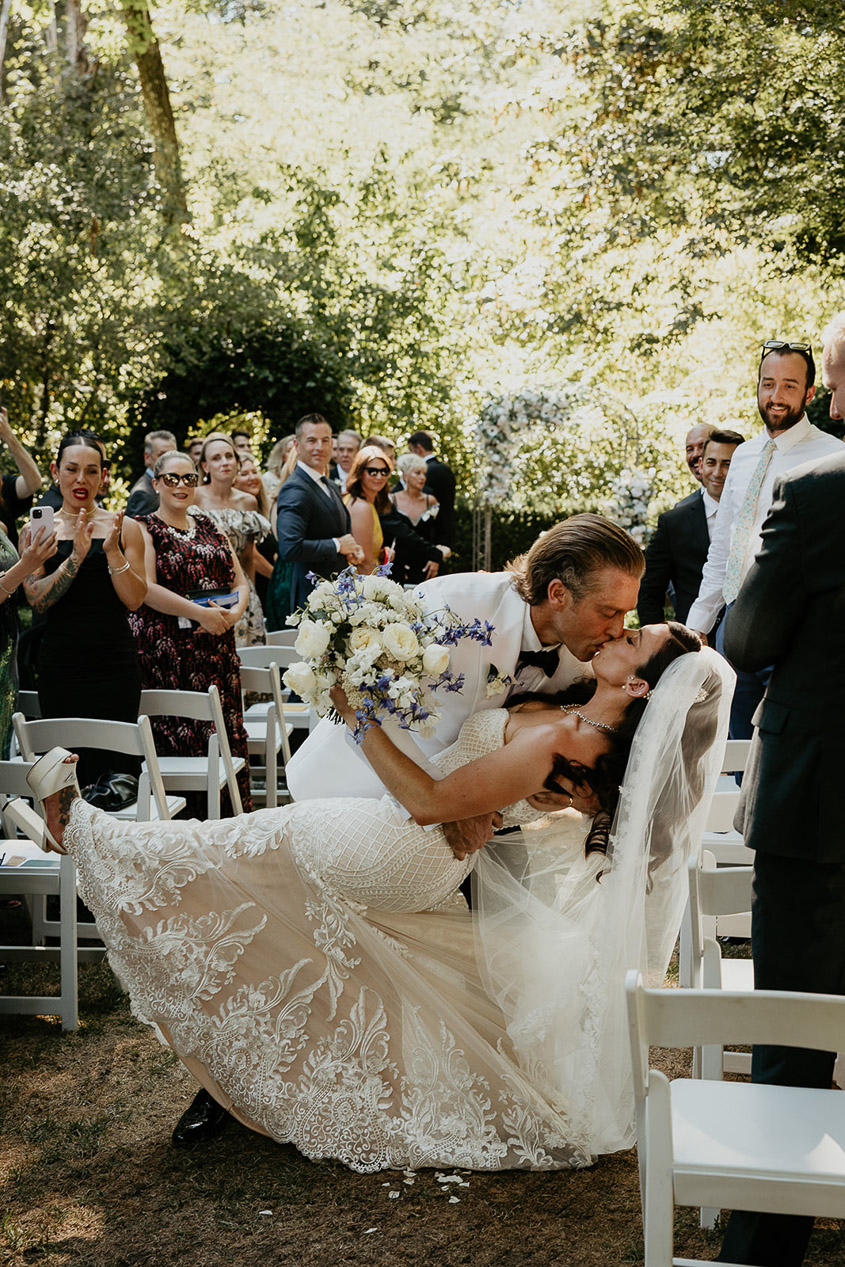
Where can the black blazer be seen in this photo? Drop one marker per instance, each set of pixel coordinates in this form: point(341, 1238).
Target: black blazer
point(307, 522)
point(440, 483)
point(143, 499)
point(676, 553)
point(790, 612)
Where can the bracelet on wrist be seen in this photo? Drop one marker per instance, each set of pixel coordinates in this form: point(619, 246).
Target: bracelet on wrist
point(119, 571)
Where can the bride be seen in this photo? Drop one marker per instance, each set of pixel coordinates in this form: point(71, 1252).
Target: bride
point(316, 969)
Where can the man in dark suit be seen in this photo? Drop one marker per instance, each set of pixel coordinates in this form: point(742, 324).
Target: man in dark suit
point(677, 552)
point(313, 523)
point(790, 612)
point(440, 483)
point(143, 499)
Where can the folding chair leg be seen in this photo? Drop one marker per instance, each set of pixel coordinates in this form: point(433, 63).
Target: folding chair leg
point(658, 1208)
point(67, 958)
point(707, 1217)
point(271, 780)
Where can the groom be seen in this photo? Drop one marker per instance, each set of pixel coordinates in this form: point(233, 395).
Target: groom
point(551, 611)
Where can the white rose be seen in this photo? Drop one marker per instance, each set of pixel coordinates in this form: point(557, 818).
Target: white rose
point(364, 639)
point(435, 659)
point(300, 678)
point(312, 639)
point(400, 642)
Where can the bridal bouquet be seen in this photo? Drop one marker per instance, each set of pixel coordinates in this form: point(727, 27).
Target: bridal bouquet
point(376, 640)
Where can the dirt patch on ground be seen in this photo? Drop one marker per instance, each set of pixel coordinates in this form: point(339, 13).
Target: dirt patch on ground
point(90, 1178)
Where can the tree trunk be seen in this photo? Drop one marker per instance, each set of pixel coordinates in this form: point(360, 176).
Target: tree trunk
point(146, 51)
point(76, 24)
point(5, 10)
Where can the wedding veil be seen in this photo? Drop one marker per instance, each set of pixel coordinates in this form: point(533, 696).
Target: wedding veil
point(558, 930)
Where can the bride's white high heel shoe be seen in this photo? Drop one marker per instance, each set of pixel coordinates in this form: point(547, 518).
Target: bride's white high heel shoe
point(49, 775)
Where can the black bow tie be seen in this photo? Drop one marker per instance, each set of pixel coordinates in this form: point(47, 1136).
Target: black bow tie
point(548, 661)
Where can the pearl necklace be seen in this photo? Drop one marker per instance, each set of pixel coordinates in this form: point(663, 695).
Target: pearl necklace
point(599, 725)
point(187, 533)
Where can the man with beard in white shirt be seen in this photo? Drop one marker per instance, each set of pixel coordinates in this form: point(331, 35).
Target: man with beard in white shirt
point(785, 386)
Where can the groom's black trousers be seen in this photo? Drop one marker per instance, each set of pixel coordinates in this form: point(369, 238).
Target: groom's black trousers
point(798, 943)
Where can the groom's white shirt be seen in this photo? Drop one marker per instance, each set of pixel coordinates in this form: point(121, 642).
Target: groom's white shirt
point(331, 764)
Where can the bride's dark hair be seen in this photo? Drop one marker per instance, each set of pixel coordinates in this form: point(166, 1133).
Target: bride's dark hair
point(605, 778)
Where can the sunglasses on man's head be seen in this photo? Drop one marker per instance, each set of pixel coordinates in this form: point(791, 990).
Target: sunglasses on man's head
point(783, 345)
point(171, 479)
point(377, 470)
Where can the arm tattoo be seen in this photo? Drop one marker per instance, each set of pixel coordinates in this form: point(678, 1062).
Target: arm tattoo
point(43, 592)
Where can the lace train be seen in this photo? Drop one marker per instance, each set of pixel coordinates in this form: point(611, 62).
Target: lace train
point(352, 1032)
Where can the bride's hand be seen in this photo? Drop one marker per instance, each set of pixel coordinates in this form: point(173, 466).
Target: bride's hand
point(337, 695)
point(575, 795)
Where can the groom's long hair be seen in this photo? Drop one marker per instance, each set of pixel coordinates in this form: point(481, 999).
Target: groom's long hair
point(573, 552)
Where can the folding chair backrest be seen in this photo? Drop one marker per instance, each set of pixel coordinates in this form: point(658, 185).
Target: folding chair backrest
point(13, 778)
point(282, 637)
point(685, 1018)
point(736, 754)
point(267, 681)
point(714, 891)
point(132, 739)
point(29, 704)
point(198, 706)
point(23, 817)
point(263, 657)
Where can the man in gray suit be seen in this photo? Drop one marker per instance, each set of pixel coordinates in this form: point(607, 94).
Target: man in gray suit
point(790, 612)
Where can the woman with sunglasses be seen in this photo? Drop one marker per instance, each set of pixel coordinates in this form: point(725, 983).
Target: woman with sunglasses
point(366, 496)
point(185, 645)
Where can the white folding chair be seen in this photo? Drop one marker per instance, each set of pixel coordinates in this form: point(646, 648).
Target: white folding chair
point(210, 771)
point(28, 872)
point(734, 1145)
point(720, 837)
point(14, 795)
point(267, 730)
point(299, 716)
point(29, 704)
point(262, 657)
point(715, 893)
point(282, 637)
point(134, 739)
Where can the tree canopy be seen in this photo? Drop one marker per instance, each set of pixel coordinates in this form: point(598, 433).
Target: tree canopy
point(398, 211)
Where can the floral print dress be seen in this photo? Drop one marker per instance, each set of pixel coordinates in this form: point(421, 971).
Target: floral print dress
point(178, 659)
point(241, 527)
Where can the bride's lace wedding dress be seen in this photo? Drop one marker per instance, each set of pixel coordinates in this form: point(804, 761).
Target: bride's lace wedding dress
point(316, 969)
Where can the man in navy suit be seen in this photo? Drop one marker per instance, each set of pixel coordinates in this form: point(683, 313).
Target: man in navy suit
point(677, 552)
point(313, 523)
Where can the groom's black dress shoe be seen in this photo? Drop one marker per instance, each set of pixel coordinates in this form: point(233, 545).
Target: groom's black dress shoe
point(202, 1120)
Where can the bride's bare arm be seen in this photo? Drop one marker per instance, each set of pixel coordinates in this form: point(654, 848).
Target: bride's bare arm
point(483, 786)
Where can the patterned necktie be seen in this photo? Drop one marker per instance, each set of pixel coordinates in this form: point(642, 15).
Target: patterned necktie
point(744, 523)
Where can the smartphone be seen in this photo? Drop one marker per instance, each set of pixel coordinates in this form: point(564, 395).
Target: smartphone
point(40, 522)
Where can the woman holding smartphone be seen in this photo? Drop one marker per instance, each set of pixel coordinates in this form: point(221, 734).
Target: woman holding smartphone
point(87, 665)
point(14, 568)
point(185, 645)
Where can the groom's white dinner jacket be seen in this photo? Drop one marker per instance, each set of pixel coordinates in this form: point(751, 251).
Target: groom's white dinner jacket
point(330, 763)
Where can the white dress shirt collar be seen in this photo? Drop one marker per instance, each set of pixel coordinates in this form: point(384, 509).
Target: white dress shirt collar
point(316, 477)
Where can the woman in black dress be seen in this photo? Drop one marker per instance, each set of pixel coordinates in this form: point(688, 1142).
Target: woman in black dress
point(87, 663)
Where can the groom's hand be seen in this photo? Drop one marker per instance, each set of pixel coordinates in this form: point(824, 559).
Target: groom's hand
point(572, 796)
point(470, 834)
